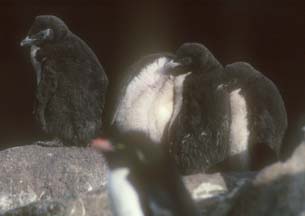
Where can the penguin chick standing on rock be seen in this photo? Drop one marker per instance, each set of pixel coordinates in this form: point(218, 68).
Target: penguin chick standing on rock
point(198, 134)
point(152, 100)
point(71, 82)
point(257, 112)
point(143, 180)
point(259, 118)
point(145, 101)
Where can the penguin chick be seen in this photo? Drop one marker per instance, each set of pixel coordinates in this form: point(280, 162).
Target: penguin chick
point(153, 99)
point(71, 82)
point(198, 135)
point(145, 102)
point(258, 119)
point(142, 179)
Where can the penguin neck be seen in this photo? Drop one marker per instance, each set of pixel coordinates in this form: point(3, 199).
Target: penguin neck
point(119, 160)
point(208, 73)
point(211, 69)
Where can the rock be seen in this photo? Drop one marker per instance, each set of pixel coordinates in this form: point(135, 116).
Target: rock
point(96, 203)
point(203, 186)
point(41, 208)
point(277, 190)
point(93, 203)
point(32, 173)
point(37, 180)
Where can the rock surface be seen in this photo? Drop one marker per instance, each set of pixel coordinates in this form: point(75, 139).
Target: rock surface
point(33, 173)
point(278, 190)
point(64, 176)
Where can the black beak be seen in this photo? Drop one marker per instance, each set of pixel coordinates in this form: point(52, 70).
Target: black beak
point(172, 64)
point(27, 42)
point(175, 68)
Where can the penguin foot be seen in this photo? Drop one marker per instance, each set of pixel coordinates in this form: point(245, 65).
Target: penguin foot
point(51, 143)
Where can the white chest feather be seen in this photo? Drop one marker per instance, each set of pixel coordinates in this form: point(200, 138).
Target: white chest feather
point(239, 133)
point(152, 101)
point(148, 101)
point(36, 64)
point(178, 96)
point(124, 198)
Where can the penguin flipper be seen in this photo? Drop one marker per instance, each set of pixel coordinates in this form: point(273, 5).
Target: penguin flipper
point(264, 98)
point(265, 131)
point(45, 91)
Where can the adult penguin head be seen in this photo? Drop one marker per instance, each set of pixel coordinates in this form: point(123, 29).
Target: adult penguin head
point(193, 57)
point(45, 29)
point(134, 150)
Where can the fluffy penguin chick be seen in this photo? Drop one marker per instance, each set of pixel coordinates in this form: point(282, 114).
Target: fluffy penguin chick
point(71, 83)
point(142, 179)
point(153, 99)
point(257, 114)
point(146, 100)
point(259, 118)
point(198, 134)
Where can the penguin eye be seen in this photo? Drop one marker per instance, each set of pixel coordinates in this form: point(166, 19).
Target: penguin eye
point(185, 61)
point(44, 35)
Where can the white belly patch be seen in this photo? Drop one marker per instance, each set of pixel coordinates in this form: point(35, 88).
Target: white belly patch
point(152, 100)
point(178, 98)
point(36, 64)
point(123, 196)
point(239, 133)
point(148, 102)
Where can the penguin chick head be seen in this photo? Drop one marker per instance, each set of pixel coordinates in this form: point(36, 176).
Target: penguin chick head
point(192, 57)
point(45, 29)
point(135, 152)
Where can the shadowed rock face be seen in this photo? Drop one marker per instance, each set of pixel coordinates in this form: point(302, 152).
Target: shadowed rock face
point(55, 182)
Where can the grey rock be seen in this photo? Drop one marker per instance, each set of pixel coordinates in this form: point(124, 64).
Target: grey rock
point(32, 173)
point(204, 188)
point(37, 180)
point(277, 190)
point(41, 208)
point(94, 203)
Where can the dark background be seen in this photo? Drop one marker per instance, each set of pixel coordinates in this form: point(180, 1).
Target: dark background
point(268, 34)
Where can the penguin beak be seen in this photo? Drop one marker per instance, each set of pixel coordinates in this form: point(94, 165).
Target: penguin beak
point(172, 64)
point(27, 41)
point(175, 68)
